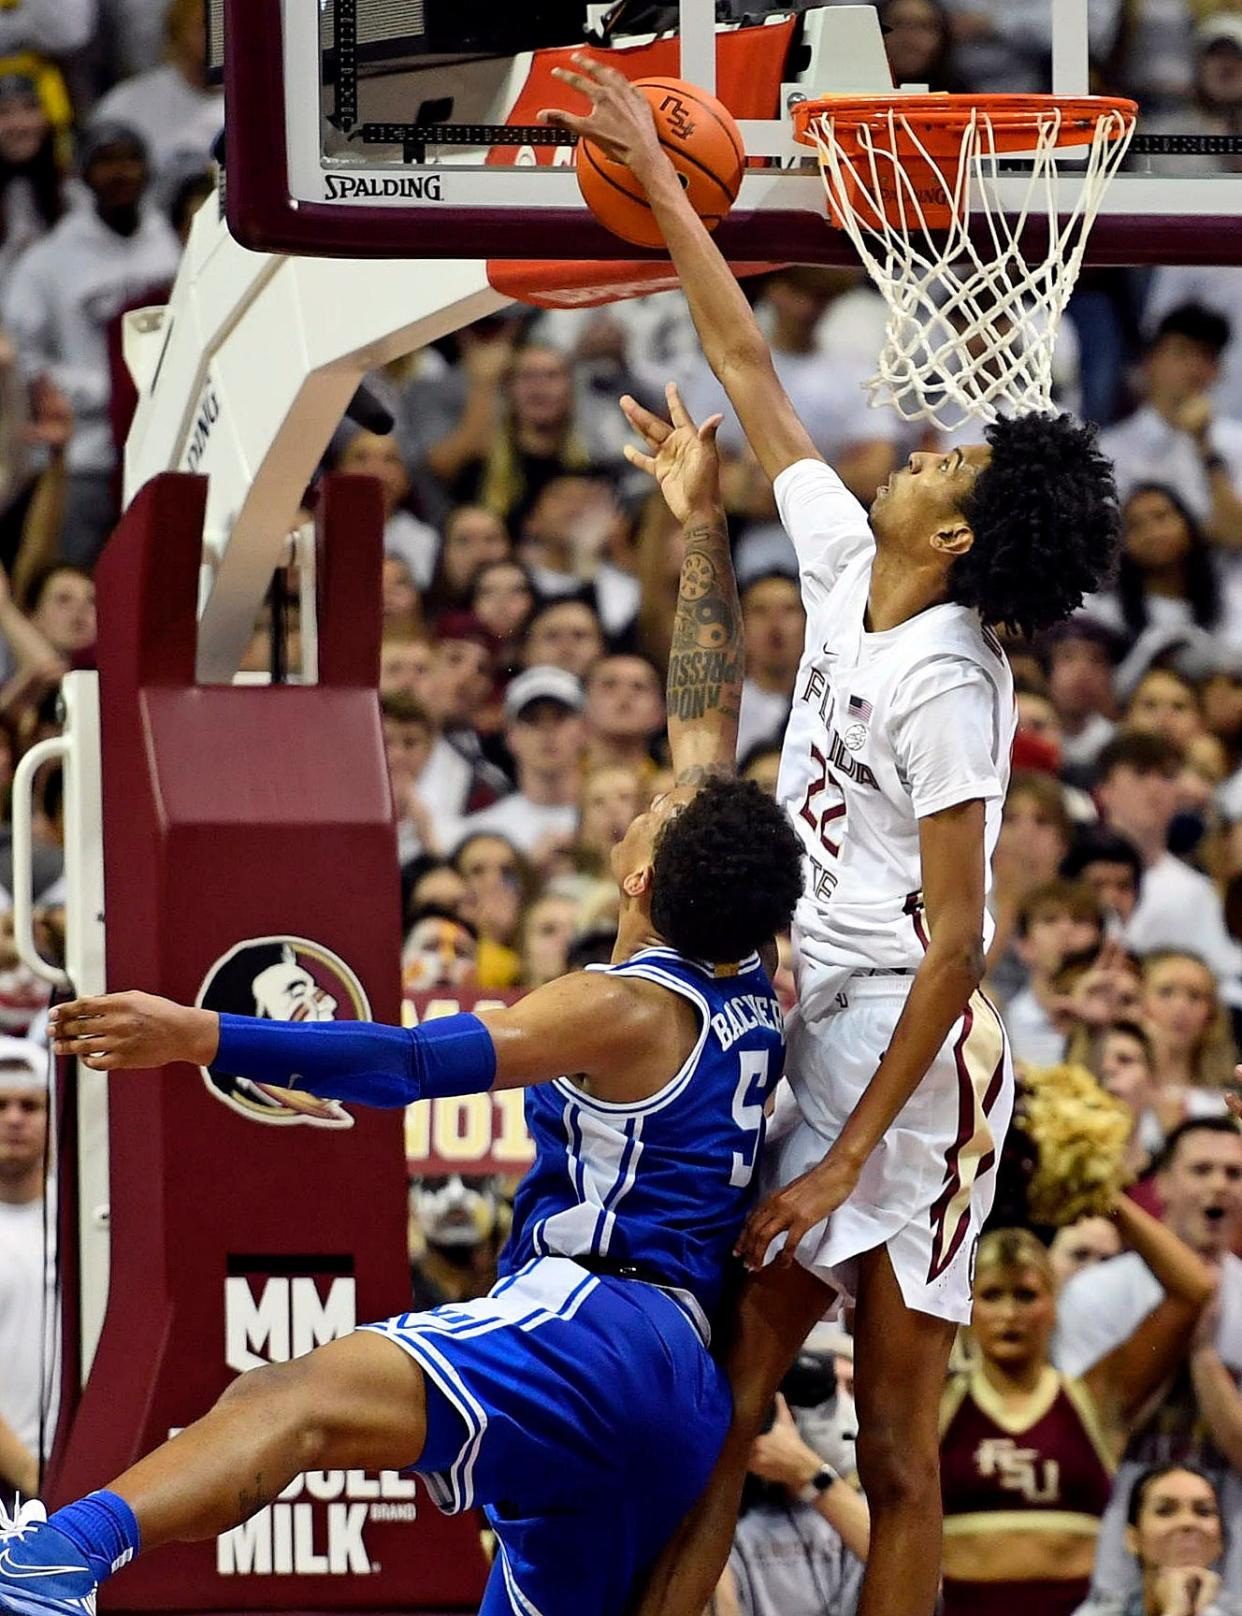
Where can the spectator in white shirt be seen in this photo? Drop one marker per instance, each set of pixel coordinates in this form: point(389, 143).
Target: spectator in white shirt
point(433, 785)
point(1080, 1245)
point(624, 713)
point(378, 455)
point(1189, 1030)
point(1198, 1419)
point(175, 109)
point(762, 764)
point(1175, 1535)
point(502, 597)
point(571, 542)
point(1081, 654)
point(31, 183)
point(473, 536)
point(1217, 108)
point(1111, 867)
point(918, 41)
point(1217, 287)
point(1138, 791)
point(441, 950)
point(399, 597)
point(1006, 45)
point(27, 1328)
point(775, 625)
point(1056, 921)
point(544, 731)
point(1156, 68)
point(408, 736)
point(409, 667)
point(826, 388)
point(1175, 437)
point(61, 301)
point(612, 795)
point(133, 31)
point(51, 27)
point(1122, 1058)
point(543, 941)
point(464, 686)
point(1164, 702)
point(564, 634)
point(1167, 575)
point(1035, 836)
point(60, 603)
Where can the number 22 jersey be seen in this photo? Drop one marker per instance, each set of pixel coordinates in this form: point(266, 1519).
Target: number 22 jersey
point(884, 730)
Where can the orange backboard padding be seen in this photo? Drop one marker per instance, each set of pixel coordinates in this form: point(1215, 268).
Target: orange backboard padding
point(557, 283)
point(750, 65)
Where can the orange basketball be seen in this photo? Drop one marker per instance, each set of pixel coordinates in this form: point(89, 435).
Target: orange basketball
point(704, 142)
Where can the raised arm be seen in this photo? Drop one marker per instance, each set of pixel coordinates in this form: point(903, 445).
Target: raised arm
point(622, 124)
point(1124, 1380)
point(706, 662)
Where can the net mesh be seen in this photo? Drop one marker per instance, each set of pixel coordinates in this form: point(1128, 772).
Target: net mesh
point(974, 308)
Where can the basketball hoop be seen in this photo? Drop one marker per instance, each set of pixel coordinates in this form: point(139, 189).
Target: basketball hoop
point(954, 241)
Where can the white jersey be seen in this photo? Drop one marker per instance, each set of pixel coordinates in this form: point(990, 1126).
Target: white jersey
point(885, 729)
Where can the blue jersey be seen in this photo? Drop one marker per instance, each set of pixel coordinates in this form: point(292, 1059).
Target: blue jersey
point(666, 1182)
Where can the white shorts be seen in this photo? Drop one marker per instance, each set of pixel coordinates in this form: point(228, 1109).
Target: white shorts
point(927, 1188)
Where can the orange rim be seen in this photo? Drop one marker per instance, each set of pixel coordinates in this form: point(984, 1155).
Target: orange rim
point(933, 118)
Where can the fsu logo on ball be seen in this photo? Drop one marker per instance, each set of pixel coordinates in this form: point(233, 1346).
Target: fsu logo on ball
point(680, 119)
point(280, 979)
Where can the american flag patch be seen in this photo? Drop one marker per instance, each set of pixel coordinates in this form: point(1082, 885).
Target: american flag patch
point(860, 707)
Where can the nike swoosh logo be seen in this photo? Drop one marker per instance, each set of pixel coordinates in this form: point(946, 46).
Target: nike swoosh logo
point(11, 1570)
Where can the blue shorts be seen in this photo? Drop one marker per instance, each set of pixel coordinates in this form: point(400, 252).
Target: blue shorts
point(583, 1413)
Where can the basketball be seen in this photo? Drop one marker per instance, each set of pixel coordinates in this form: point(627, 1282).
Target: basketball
point(701, 136)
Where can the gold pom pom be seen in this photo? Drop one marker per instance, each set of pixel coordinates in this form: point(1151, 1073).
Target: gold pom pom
point(1080, 1134)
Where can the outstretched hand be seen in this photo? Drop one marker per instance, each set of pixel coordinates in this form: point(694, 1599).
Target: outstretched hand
point(134, 1030)
point(683, 458)
point(620, 122)
point(139, 1031)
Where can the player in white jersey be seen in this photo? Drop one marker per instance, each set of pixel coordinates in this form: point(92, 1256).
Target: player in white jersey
point(887, 730)
point(894, 771)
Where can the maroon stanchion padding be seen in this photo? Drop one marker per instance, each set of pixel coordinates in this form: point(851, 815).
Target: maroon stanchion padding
point(250, 863)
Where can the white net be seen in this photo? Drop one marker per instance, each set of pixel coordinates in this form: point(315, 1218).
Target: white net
point(972, 319)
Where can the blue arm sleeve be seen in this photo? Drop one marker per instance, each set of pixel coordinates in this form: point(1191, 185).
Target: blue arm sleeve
point(361, 1061)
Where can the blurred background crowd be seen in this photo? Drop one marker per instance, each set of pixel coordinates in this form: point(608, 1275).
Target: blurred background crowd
point(528, 589)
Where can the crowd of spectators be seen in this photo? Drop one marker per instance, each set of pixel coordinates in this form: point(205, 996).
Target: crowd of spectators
point(527, 608)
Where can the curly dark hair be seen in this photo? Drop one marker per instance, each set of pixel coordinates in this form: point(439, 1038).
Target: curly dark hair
point(727, 873)
point(1045, 520)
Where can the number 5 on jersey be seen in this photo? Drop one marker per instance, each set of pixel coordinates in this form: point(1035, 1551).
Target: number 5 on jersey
point(748, 1101)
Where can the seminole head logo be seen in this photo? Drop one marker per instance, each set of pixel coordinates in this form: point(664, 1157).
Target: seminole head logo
point(280, 979)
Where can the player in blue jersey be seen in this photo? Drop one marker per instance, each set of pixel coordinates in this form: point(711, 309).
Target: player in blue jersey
point(578, 1402)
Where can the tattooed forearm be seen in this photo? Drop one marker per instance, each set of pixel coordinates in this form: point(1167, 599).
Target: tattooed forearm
point(706, 663)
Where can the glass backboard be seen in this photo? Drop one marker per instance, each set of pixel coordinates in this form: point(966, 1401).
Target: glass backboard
point(407, 128)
